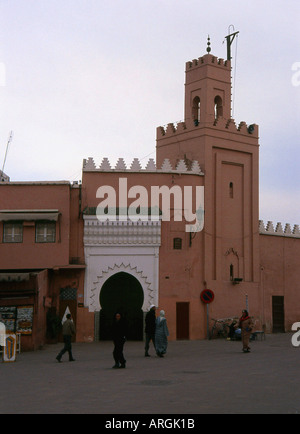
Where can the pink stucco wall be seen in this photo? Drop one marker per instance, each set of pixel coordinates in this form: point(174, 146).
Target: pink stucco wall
point(26, 196)
point(280, 276)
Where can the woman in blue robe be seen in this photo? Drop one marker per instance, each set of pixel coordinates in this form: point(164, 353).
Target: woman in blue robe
point(161, 334)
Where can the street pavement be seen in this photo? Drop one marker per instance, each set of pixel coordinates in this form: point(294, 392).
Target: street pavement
point(195, 377)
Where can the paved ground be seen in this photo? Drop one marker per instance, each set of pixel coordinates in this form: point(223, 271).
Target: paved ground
point(195, 377)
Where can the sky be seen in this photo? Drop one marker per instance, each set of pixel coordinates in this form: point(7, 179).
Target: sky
point(95, 78)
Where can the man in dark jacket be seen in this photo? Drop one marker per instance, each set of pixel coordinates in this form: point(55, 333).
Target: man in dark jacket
point(150, 329)
point(119, 331)
point(68, 332)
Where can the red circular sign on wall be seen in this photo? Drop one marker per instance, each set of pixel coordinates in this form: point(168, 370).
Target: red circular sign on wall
point(207, 296)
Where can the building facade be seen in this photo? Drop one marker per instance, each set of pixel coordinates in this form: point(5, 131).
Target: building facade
point(123, 238)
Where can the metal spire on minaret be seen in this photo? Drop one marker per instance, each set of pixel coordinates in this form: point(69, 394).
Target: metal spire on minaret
point(208, 49)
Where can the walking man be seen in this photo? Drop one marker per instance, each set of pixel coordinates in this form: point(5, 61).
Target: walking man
point(119, 331)
point(68, 331)
point(150, 329)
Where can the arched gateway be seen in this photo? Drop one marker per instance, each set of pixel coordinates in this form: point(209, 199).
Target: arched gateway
point(122, 293)
point(122, 271)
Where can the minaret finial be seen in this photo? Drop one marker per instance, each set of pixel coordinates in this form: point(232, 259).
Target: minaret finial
point(208, 49)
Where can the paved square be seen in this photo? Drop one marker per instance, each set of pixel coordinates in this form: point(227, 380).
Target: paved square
point(195, 377)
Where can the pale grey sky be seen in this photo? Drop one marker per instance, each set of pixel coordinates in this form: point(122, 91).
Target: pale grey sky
point(81, 78)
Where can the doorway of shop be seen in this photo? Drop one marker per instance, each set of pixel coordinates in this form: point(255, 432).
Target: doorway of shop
point(122, 293)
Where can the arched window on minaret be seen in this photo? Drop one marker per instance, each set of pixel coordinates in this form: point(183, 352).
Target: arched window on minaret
point(231, 190)
point(218, 107)
point(196, 110)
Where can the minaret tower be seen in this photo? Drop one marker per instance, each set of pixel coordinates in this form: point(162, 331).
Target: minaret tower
point(228, 156)
point(207, 103)
point(207, 90)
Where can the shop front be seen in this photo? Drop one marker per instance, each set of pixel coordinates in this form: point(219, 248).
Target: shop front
point(22, 307)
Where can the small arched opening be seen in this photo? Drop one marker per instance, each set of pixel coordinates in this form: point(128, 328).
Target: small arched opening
point(196, 110)
point(218, 107)
point(231, 190)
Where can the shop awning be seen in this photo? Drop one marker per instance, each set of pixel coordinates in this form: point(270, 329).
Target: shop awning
point(14, 277)
point(29, 215)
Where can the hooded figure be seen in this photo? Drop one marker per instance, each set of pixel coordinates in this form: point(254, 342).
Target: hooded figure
point(161, 334)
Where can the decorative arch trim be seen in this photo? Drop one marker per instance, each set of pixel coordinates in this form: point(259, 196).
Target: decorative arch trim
point(149, 295)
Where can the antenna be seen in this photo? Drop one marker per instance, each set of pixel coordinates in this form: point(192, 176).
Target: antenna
point(230, 39)
point(7, 146)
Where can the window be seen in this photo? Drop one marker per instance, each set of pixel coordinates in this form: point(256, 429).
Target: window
point(231, 272)
point(196, 110)
point(177, 244)
point(218, 107)
point(13, 232)
point(45, 232)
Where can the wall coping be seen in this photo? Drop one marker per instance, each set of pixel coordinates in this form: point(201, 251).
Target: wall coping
point(279, 230)
point(105, 166)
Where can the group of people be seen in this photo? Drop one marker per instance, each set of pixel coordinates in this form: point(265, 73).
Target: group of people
point(156, 330)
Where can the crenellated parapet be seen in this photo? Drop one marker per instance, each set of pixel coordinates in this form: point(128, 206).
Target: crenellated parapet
point(208, 59)
point(222, 124)
point(105, 166)
point(279, 229)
